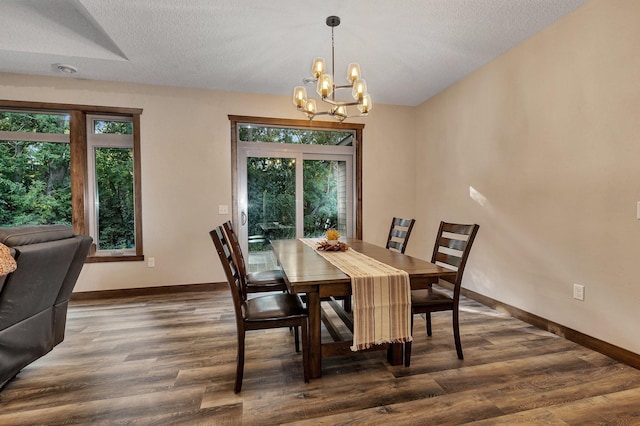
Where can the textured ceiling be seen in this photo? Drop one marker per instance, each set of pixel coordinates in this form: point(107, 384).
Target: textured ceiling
point(408, 50)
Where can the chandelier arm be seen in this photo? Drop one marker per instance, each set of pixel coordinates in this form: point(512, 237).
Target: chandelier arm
point(339, 103)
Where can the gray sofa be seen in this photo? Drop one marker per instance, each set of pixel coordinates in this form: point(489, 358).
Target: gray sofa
point(34, 298)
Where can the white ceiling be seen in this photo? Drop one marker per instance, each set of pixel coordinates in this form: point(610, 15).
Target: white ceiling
point(408, 50)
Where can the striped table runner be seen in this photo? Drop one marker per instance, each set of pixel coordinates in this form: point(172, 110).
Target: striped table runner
point(381, 297)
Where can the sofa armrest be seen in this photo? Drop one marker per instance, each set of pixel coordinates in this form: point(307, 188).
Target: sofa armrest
point(34, 234)
point(84, 244)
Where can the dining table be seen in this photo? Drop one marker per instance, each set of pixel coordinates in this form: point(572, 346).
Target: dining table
point(307, 273)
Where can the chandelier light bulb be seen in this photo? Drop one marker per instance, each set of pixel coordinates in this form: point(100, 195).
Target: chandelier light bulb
point(340, 112)
point(359, 89)
point(325, 85)
point(366, 104)
point(353, 72)
point(310, 108)
point(318, 67)
point(299, 96)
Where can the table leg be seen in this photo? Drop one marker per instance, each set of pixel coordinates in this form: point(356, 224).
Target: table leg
point(315, 340)
point(395, 353)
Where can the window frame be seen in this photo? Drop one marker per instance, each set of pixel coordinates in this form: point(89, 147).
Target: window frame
point(81, 204)
point(96, 141)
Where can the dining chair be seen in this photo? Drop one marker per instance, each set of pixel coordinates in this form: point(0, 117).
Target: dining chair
point(399, 234)
point(259, 281)
point(451, 250)
point(261, 312)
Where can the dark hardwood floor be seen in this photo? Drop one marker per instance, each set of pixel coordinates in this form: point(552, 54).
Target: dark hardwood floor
point(170, 359)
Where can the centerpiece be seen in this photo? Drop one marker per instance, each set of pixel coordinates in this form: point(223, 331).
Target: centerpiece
point(332, 243)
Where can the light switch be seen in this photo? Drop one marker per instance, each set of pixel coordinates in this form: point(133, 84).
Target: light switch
point(224, 209)
point(638, 211)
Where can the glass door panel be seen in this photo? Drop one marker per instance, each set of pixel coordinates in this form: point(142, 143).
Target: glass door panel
point(271, 201)
point(295, 191)
point(325, 197)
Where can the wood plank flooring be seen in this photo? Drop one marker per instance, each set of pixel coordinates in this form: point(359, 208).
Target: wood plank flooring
point(170, 359)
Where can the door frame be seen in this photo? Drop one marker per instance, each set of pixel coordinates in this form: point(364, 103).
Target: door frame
point(357, 128)
point(300, 153)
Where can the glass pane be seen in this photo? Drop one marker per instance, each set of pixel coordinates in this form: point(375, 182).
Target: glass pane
point(296, 136)
point(112, 127)
point(114, 200)
point(325, 197)
point(271, 190)
point(29, 122)
point(35, 183)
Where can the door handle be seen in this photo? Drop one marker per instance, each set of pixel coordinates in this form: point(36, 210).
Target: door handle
point(243, 218)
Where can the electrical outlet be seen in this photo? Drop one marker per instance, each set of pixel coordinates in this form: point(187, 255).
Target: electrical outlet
point(151, 262)
point(578, 292)
point(223, 209)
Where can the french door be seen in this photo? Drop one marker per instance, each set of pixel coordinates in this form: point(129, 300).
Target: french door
point(292, 191)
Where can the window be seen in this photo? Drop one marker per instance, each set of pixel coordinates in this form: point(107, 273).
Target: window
point(111, 170)
point(35, 166)
point(74, 165)
point(252, 133)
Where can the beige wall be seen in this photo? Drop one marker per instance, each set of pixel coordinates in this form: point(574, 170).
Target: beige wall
point(542, 149)
point(186, 170)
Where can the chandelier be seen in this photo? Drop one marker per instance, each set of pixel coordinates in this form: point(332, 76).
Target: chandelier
point(326, 88)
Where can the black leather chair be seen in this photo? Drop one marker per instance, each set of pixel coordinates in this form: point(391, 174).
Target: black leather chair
point(34, 298)
point(451, 250)
point(262, 312)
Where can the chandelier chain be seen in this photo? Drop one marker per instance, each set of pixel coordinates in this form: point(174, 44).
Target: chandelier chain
point(333, 62)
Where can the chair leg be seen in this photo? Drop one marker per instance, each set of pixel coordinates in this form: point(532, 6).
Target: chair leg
point(456, 334)
point(427, 315)
point(297, 338)
point(240, 362)
point(407, 348)
point(306, 368)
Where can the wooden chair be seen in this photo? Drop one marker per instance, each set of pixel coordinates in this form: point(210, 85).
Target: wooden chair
point(256, 282)
point(399, 234)
point(261, 312)
point(451, 251)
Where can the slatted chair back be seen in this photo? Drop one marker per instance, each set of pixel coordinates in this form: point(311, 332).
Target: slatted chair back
point(452, 248)
point(234, 278)
point(254, 282)
point(236, 250)
point(399, 234)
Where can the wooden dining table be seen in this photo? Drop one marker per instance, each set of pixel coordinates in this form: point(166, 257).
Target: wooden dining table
point(309, 274)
